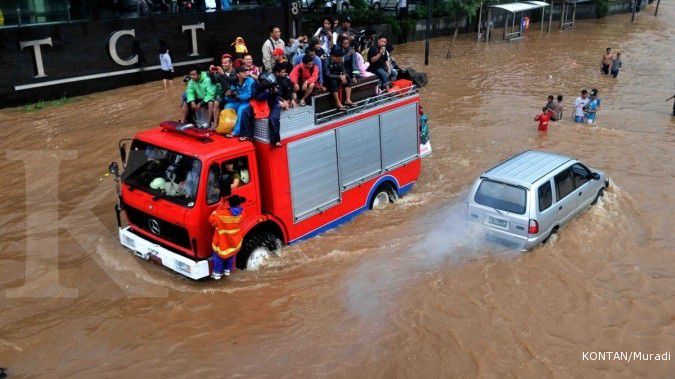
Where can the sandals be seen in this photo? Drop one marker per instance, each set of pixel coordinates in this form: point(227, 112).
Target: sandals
point(302, 103)
point(342, 109)
point(229, 135)
point(242, 138)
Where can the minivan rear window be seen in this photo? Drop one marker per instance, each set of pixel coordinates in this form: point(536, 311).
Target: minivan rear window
point(502, 196)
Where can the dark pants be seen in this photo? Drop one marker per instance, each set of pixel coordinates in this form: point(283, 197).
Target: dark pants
point(246, 125)
point(384, 77)
point(219, 262)
point(274, 122)
point(605, 69)
point(615, 73)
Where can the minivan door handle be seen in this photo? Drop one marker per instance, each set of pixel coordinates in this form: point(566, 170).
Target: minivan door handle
point(580, 193)
point(560, 207)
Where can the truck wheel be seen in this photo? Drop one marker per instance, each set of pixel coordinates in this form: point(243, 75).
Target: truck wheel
point(256, 249)
point(600, 194)
point(381, 200)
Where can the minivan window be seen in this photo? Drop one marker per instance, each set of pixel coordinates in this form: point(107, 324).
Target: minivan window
point(502, 196)
point(581, 174)
point(564, 184)
point(545, 196)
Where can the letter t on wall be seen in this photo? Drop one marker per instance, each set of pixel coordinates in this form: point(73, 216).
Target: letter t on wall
point(38, 53)
point(193, 32)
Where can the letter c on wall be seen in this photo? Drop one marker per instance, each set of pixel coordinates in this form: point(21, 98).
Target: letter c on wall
point(112, 48)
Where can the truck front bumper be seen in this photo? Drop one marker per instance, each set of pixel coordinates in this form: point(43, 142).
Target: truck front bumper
point(150, 251)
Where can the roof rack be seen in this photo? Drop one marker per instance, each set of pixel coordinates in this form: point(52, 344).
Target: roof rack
point(364, 104)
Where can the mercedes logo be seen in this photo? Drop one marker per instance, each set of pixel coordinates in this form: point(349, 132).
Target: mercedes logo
point(154, 226)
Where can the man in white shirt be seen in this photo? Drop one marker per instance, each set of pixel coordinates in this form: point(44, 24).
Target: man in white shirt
point(272, 43)
point(580, 105)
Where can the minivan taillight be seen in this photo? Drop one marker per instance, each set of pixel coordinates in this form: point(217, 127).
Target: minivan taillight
point(533, 227)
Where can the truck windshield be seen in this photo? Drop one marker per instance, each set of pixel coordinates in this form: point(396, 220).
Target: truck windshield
point(162, 173)
point(501, 196)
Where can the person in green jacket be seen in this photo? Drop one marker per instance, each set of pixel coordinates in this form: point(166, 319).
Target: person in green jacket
point(200, 90)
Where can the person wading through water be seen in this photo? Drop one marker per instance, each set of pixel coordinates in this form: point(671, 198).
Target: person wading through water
point(227, 236)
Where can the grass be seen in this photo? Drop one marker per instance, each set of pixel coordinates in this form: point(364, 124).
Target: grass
point(46, 104)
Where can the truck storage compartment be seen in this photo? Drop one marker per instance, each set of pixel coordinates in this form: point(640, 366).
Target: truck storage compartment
point(359, 151)
point(313, 170)
point(399, 130)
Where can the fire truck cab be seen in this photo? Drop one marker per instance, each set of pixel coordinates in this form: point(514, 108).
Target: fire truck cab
point(332, 165)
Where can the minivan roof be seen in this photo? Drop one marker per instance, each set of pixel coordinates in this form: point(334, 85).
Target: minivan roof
point(526, 168)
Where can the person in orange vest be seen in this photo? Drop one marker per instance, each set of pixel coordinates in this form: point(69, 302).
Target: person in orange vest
point(227, 236)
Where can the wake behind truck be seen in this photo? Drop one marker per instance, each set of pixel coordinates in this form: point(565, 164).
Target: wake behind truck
point(332, 166)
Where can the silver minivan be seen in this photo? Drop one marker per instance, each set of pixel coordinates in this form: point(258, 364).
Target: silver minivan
point(524, 200)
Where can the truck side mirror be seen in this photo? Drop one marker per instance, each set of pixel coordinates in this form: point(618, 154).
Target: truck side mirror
point(123, 153)
point(114, 169)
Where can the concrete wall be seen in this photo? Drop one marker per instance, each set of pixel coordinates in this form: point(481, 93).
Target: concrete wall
point(81, 49)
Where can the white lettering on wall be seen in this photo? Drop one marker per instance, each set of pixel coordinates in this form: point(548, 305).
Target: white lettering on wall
point(193, 32)
point(38, 53)
point(112, 48)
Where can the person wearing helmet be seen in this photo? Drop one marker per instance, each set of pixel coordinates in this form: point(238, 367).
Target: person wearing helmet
point(227, 235)
point(271, 93)
point(592, 106)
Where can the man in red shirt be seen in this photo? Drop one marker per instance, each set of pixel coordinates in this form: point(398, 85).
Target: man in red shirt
point(543, 119)
point(304, 78)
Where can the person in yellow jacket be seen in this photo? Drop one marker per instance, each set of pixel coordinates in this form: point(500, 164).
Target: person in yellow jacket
point(227, 235)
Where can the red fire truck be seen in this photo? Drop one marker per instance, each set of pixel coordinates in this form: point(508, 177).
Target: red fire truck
point(332, 166)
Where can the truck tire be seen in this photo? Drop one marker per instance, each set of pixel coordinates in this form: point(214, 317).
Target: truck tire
point(256, 249)
point(383, 196)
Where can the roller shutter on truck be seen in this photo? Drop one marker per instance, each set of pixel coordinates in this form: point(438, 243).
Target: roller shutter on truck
point(312, 163)
point(398, 130)
point(359, 151)
point(323, 165)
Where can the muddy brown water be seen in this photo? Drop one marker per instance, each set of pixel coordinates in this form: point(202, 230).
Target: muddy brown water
point(401, 292)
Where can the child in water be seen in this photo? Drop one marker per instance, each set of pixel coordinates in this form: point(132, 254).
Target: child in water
point(543, 119)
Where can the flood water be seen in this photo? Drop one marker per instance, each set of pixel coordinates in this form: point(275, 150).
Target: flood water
point(402, 292)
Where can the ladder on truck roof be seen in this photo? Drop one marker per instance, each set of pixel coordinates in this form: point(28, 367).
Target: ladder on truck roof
point(304, 119)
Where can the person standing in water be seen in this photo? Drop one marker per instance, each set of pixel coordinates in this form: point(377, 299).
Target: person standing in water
point(165, 63)
point(579, 106)
point(227, 235)
point(616, 65)
point(592, 106)
point(606, 61)
point(671, 98)
point(543, 119)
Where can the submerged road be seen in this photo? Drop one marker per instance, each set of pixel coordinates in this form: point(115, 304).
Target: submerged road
point(400, 292)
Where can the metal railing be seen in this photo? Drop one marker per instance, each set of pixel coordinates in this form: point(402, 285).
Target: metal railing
point(367, 103)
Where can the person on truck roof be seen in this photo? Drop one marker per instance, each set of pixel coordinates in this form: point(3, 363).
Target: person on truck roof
point(380, 63)
point(238, 96)
point(227, 235)
point(311, 51)
point(304, 78)
point(200, 90)
point(271, 44)
point(337, 79)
